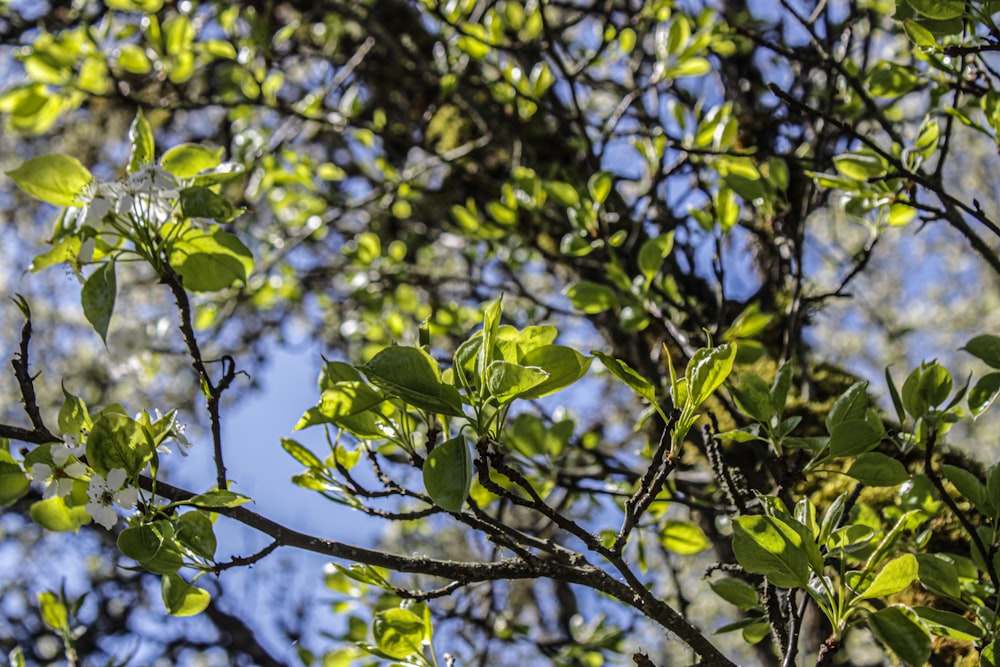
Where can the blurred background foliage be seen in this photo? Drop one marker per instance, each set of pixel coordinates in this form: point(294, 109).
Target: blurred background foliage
point(639, 173)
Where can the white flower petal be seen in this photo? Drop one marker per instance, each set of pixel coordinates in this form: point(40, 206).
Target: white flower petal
point(41, 472)
point(116, 478)
point(126, 497)
point(75, 469)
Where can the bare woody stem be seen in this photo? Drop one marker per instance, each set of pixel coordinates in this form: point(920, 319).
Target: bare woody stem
point(465, 573)
point(212, 392)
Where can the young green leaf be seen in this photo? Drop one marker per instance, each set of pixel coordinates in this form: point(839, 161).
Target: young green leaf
point(194, 531)
point(506, 381)
point(768, 546)
point(683, 537)
point(590, 297)
point(707, 370)
point(140, 135)
point(118, 441)
point(14, 483)
point(209, 261)
point(98, 298)
point(736, 592)
point(894, 576)
point(876, 469)
point(218, 499)
point(753, 396)
point(399, 633)
point(182, 598)
point(853, 438)
point(53, 612)
point(599, 186)
point(73, 415)
point(626, 374)
point(564, 366)
point(414, 376)
point(653, 252)
point(899, 628)
point(448, 474)
point(56, 515)
point(986, 347)
point(56, 179)
point(982, 395)
point(187, 160)
point(852, 404)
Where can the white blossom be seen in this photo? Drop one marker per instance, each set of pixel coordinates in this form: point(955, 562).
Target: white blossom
point(178, 432)
point(59, 476)
point(105, 493)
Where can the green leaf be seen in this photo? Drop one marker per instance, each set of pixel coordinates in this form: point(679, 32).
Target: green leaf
point(590, 297)
point(14, 483)
point(140, 135)
point(987, 657)
point(563, 194)
point(707, 370)
point(55, 515)
point(563, 364)
point(73, 415)
point(411, 374)
point(182, 598)
point(599, 186)
point(854, 437)
point(969, 486)
point(899, 628)
point(653, 252)
point(301, 454)
point(982, 395)
point(938, 9)
point(194, 530)
point(986, 347)
point(626, 374)
point(851, 405)
point(133, 59)
point(949, 624)
point(200, 202)
point(768, 546)
point(142, 543)
point(65, 250)
point(147, 6)
point(891, 80)
point(781, 386)
point(399, 633)
point(56, 179)
point(748, 323)
point(894, 576)
point(209, 261)
point(216, 499)
point(876, 469)
point(118, 441)
point(188, 160)
point(53, 612)
point(98, 298)
point(925, 387)
point(487, 349)
point(336, 371)
point(506, 381)
point(753, 396)
point(448, 474)
point(938, 574)
point(736, 592)
point(918, 34)
point(683, 537)
point(342, 399)
point(861, 165)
